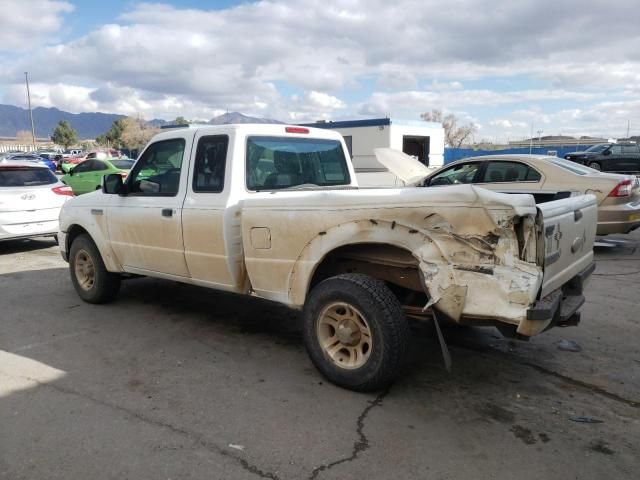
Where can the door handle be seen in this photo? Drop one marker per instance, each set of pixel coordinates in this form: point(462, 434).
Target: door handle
point(577, 215)
point(167, 212)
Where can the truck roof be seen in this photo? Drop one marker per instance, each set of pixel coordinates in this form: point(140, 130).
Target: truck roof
point(270, 129)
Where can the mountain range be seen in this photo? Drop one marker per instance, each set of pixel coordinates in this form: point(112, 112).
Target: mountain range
point(89, 124)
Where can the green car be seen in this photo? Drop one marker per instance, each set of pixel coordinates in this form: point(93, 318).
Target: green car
point(87, 176)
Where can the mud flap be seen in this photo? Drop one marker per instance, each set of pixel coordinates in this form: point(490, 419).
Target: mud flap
point(446, 356)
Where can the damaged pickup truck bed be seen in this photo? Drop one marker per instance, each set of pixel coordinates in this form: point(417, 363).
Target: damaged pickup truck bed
point(274, 211)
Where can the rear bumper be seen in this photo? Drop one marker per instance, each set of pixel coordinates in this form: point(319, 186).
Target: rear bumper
point(560, 307)
point(26, 230)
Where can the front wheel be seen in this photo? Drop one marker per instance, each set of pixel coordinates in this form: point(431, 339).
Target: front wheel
point(92, 281)
point(355, 332)
point(595, 166)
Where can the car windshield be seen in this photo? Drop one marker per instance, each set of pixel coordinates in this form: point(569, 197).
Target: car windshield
point(598, 148)
point(26, 177)
point(284, 162)
point(123, 164)
point(572, 166)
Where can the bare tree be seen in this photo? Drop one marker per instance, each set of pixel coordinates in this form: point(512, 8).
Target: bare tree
point(136, 133)
point(454, 135)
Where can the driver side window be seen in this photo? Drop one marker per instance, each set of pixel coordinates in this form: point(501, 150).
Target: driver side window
point(463, 173)
point(157, 172)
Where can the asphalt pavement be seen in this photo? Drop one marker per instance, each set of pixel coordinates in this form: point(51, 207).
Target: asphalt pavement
point(179, 382)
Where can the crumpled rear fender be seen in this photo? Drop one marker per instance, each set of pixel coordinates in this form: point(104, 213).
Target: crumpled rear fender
point(471, 276)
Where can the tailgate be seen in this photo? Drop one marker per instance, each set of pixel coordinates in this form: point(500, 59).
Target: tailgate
point(566, 239)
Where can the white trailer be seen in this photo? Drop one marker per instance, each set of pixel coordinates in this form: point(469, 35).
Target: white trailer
point(422, 140)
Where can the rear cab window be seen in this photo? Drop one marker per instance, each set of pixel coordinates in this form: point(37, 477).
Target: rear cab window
point(210, 163)
point(26, 176)
point(275, 163)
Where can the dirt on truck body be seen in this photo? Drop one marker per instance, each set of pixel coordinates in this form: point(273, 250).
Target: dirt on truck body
point(483, 271)
point(275, 211)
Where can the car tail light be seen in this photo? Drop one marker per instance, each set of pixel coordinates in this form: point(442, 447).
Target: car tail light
point(63, 190)
point(296, 130)
point(623, 189)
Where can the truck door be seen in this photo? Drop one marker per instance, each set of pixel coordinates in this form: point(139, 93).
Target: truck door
point(213, 247)
point(145, 225)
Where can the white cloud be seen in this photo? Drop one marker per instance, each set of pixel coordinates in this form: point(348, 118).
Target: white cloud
point(71, 98)
point(163, 61)
point(507, 124)
point(323, 101)
point(403, 102)
point(27, 23)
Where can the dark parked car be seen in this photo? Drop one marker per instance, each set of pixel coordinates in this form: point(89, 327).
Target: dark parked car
point(609, 157)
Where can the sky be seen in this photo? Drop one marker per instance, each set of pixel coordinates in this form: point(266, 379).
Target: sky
point(549, 67)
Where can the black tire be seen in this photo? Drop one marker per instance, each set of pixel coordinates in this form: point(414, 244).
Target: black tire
point(388, 326)
point(105, 285)
point(595, 166)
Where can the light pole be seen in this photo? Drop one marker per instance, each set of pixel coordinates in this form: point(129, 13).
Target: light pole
point(33, 130)
point(539, 133)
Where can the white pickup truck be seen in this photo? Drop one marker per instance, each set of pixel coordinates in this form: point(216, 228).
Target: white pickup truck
point(274, 211)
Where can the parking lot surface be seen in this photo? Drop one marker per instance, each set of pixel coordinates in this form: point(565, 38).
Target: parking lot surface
point(176, 382)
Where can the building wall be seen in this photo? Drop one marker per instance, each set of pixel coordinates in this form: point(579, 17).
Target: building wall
point(363, 141)
point(435, 134)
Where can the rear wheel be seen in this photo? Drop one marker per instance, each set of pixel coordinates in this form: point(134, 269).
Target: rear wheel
point(90, 278)
point(595, 166)
point(355, 332)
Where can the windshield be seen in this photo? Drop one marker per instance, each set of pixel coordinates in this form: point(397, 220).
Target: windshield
point(598, 148)
point(26, 177)
point(123, 164)
point(572, 167)
point(275, 163)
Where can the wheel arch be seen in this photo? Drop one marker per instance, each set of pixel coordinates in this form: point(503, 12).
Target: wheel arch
point(380, 241)
point(108, 257)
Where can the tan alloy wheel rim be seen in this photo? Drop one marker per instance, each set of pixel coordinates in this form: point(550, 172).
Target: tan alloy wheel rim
point(85, 270)
point(344, 335)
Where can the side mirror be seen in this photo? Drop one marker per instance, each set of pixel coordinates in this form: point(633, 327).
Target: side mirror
point(606, 152)
point(112, 184)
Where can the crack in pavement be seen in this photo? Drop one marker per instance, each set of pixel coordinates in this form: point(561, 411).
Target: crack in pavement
point(196, 438)
point(580, 383)
point(360, 445)
point(573, 381)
